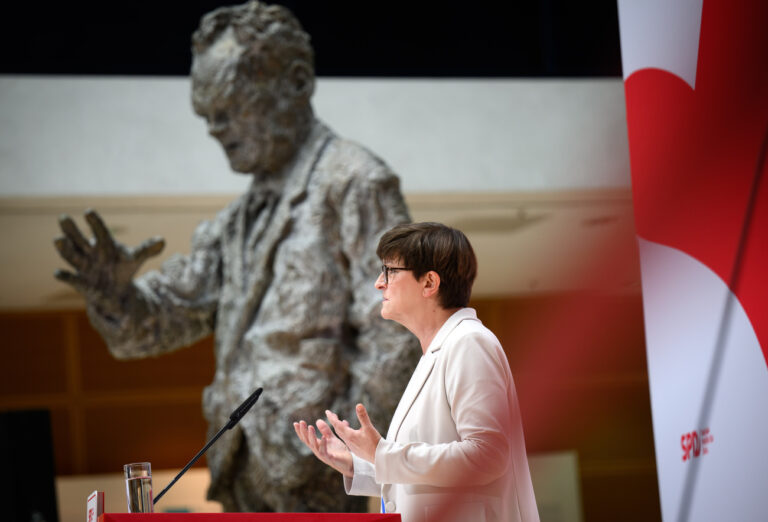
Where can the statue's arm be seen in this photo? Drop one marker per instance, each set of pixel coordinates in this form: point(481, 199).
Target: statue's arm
point(387, 352)
point(151, 314)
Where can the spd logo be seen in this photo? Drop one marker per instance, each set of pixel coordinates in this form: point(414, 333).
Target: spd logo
point(695, 443)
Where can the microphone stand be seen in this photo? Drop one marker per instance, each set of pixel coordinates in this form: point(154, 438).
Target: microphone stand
point(233, 419)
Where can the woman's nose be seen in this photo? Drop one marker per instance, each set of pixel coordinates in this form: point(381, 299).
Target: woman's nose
point(380, 284)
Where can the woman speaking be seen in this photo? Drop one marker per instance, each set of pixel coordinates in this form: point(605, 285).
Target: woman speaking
point(454, 450)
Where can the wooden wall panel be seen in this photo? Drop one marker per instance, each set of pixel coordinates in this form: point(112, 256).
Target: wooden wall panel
point(579, 365)
point(629, 496)
point(101, 372)
point(56, 361)
point(34, 350)
point(164, 432)
point(578, 361)
point(603, 424)
point(61, 432)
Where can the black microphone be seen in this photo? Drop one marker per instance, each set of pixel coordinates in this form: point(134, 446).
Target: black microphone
point(233, 419)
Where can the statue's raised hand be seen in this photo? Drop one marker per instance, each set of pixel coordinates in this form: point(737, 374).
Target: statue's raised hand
point(103, 267)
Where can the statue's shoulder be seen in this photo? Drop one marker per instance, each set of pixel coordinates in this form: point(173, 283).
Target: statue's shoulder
point(209, 231)
point(353, 155)
point(345, 161)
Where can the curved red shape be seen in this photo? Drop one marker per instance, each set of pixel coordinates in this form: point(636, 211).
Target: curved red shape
point(694, 153)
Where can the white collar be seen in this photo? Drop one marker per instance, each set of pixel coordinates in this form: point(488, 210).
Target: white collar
point(458, 316)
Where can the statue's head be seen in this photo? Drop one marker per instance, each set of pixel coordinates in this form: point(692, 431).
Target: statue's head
point(252, 80)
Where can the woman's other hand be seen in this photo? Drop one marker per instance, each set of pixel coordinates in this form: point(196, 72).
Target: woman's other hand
point(328, 448)
point(361, 442)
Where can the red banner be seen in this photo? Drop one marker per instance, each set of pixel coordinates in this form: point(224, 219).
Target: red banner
point(696, 87)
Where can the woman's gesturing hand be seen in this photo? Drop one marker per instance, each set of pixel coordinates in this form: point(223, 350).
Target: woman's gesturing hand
point(328, 448)
point(361, 442)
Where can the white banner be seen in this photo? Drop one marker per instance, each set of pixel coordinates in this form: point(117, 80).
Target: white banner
point(696, 86)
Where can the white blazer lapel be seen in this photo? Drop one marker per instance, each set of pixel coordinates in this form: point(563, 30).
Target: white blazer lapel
point(419, 377)
point(424, 370)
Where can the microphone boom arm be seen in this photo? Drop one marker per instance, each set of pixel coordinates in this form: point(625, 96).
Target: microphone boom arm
point(233, 419)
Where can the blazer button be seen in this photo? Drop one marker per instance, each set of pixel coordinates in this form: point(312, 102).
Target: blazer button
point(390, 507)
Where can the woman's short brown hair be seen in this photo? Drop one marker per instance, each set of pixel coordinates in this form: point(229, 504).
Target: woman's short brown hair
point(422, 247)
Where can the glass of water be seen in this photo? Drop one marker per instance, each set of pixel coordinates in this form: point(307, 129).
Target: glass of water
point(138, 487)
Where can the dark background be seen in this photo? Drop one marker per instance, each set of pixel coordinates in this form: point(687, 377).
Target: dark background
point(547, 38)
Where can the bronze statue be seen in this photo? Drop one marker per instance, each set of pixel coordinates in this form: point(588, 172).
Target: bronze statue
point(283, 277)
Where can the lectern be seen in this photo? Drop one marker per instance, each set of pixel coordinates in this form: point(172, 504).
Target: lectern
point(249, 517)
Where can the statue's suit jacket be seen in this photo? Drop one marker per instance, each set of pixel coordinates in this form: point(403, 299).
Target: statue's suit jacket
point(455, 449)
point(284, 278)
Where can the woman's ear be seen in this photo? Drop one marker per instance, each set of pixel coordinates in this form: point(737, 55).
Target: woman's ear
point(431, 283)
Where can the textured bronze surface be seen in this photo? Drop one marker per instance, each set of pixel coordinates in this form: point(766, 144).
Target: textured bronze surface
point(283, 276)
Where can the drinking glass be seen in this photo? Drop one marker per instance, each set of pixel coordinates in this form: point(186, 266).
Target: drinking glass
point(138, 487)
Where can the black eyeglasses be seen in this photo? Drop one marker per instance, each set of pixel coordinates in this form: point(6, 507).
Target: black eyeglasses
point(388, 270)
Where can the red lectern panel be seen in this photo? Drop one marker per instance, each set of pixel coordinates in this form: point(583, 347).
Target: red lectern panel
point(249, 517)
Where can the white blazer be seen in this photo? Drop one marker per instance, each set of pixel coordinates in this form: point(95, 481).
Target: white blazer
point(454, 450)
